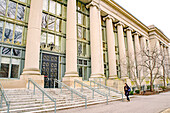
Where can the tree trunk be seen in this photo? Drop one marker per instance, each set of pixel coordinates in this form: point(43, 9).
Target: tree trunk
point(151, 83)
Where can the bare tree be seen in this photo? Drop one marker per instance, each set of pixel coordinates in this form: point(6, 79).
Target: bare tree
point(152, 63)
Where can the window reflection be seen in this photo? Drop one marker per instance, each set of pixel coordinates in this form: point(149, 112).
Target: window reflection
point(14, 71)
point(57, 42)
point(45, 5)
point(43, 40)
point(20, 12)
point(50, 39)
point(18, 34)
point(23, 0)
point(1, 29)
point(79, 18)
point(4, 70)
point(58, 25)
point(79, 32)
point(52, 7)
point(58, 9)
point(11, 9)
point(8, 32)
point(6, 51)
point(51, 23)
point(44, 20)
point(2, 7)
point(16, 52)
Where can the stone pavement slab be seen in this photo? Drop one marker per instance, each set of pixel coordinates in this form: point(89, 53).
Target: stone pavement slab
point(140, 104)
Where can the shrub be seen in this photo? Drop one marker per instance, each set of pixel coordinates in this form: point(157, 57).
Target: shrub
point(131, 93)
point(137, 91)
point(163, 88)
point(148, 87)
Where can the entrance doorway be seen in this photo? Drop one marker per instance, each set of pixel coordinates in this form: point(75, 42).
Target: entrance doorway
point(49, 70)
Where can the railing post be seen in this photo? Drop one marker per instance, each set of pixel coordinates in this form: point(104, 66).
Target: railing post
point(90, 83)
point(28, 84)
point(55, 106)
point(107, 99)
point(122, 97)
point(74, 84)
point(93, 94)
point(85, 103)
point(109, 91)
point(81, 88)
point(34, 90)
point(8, 108)
point(42, 98)
point(71, 95)
point(1, 98)
point(61, 89)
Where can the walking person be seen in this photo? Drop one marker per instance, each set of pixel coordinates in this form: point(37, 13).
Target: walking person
point(127, 90)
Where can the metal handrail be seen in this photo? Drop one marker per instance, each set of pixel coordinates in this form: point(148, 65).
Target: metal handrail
point(106, 87)
point(89, 87)
point(5, 97)
point(43, 92)
point(71, 90)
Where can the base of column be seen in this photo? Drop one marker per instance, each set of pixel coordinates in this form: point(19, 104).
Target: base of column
point(116, 84)
point(71, 74)
point(69, 80)
point(31, 71)
point(39, 79)
point(112, 77)
point(98, 75)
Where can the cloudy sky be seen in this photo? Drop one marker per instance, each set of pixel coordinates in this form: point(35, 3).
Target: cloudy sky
point(150, 12)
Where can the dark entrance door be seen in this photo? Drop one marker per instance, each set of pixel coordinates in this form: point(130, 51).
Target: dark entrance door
point(49, 70)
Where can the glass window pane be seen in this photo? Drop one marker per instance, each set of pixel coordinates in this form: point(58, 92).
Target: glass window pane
point(1, 29)
point(64, 12)
point(45, 5)
point(44, 20)
point(79, 18)
point(43, 38)
point(2, 7)
point(11, 9)
point(50, 39)
point(20, 12)
point(58, 25)
point(18, 34)
point(51, 23)
point(52, 7)
point(4, 70)
point(14, 71)
point(79, 6)
point(84, 20)
point(57, 39)
point(84, 33)
point(16, 52)
point(58, 9)
point(79, 32)
point(79, 48)
point(8, 32)
point(23, 0)
point(6, 51)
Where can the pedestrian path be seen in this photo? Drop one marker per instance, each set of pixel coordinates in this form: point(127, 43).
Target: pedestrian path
point(140, 104)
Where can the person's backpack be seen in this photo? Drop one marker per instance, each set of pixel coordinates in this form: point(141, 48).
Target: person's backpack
point(129, 89)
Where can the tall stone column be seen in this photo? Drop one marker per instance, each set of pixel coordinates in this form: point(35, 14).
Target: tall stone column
point(31, 69)
point(97, 70)
point(143, 43)
point(71, 44)
point(111, 47)
point(131, 55)
point(138, 55)
point(122, 51)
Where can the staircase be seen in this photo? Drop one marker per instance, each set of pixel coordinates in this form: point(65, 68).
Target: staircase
point(23, 100)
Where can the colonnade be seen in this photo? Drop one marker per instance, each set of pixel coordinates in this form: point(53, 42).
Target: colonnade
point(97, 65)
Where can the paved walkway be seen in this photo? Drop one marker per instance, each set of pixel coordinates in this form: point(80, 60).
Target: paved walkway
point(140, 104)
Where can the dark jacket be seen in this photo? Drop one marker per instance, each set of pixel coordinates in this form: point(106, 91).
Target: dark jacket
point(126, 90)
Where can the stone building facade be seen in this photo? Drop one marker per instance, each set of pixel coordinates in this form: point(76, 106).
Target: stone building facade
point(73, 39)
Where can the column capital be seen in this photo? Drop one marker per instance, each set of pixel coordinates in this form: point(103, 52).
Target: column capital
point(136, 33)
point(129, 29)
point(120, 23)
point(92, 3)
point(109, 17)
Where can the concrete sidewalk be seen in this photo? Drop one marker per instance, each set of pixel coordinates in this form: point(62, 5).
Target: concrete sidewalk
point(140, 104)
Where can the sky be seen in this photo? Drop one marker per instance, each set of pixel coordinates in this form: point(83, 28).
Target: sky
point(150, 12)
